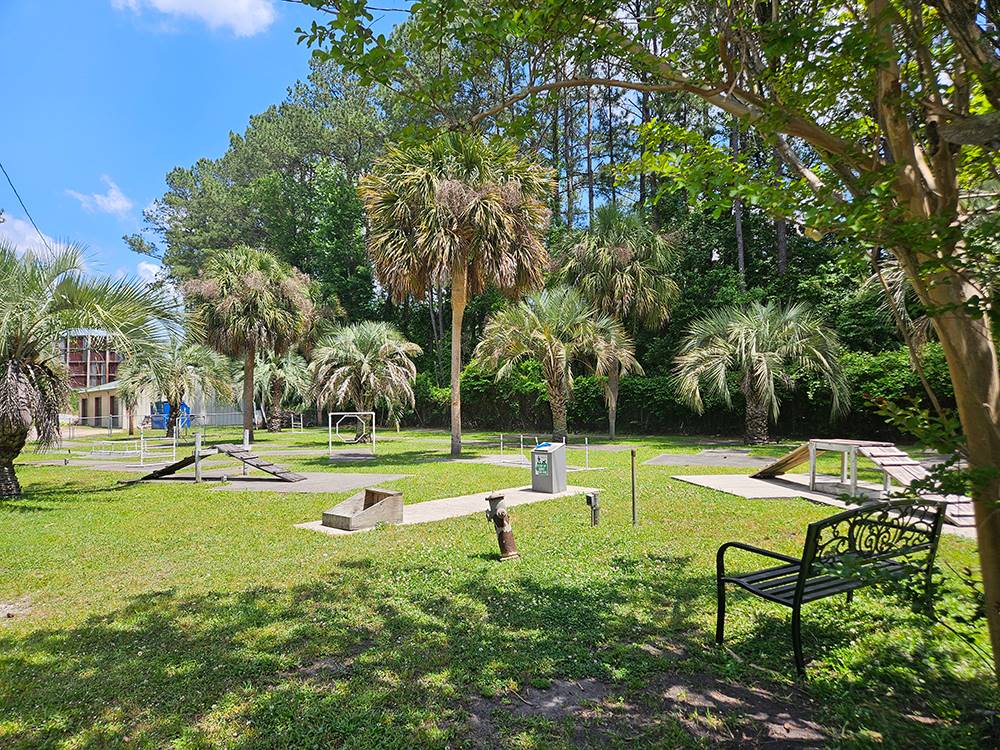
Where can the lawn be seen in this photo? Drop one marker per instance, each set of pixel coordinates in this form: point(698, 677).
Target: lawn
point(181, 616)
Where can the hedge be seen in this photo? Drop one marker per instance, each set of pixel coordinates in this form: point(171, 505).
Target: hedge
point(649, 404)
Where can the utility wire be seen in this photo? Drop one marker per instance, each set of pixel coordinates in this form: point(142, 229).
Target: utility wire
point(25, 208)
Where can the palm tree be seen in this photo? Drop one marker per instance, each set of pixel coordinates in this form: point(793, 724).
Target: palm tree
point(463, 209)
point(281, 380)
point(365, 366)
point(624, 268)
point(556, 327)
point(43, 298)
point(247, 301)
point(758, 346)
point(176, 371)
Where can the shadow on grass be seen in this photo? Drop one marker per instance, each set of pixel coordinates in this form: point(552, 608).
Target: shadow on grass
point(390, 656)
point(387, 657)
point(880, 668)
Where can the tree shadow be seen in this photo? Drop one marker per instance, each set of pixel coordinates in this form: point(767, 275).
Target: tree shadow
point(382, 653)
point(877, 664)
point(364, 653)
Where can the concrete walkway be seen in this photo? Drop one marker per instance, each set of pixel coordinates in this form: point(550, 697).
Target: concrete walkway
point(453, 507)
point(797, 485)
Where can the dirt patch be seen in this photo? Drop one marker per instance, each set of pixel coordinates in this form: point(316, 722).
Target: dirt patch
point(15, 609)
point(329, 668)
point(718, 713)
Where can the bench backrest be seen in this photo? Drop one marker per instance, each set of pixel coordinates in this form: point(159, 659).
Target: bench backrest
point(900, 536)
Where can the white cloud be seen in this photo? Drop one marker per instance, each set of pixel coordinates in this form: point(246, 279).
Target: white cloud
point(113, 202)
point(147, 271)
point(22, 235)
point(242, 17)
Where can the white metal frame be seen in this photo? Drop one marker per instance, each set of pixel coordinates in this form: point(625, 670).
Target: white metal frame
point(848, 464)
point(334, 428)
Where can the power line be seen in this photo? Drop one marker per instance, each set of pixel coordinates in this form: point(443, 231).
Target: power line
point(25, 208)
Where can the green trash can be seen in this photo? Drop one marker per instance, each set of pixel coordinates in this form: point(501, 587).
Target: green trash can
point(548, 467)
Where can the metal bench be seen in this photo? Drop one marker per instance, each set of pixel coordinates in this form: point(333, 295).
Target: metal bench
point(859, 547)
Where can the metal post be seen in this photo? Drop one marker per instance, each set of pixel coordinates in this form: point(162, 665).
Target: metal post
point(373, 433)
point(586, 448)
point(329, 435)
point(142, 448)
point(812, 466)
point(593, 500)
point(635, 510)
point(197, 457)
point(246, 447)
point(501, 446)
point(174, 452)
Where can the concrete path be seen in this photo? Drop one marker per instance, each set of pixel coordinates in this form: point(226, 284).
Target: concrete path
point(453, 507)
point(797, 485)
point(711, 457)
point(314, 482)
point(516, 461)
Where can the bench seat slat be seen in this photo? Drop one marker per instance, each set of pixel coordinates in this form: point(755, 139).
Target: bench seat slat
point(778, 584)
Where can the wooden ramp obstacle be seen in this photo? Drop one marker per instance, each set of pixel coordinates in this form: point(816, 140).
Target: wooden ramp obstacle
point(894, 464)
point(239, 452)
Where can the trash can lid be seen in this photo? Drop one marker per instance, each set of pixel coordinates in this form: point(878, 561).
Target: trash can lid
point(547, 447)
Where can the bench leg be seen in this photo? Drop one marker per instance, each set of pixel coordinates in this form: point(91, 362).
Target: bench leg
point(720, 621)
point(800, 664)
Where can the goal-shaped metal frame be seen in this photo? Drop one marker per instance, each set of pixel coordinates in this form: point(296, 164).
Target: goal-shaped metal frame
point(333, 428)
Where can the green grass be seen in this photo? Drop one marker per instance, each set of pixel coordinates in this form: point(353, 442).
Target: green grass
point(179, 616)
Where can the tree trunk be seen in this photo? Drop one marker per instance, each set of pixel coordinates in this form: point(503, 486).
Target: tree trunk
point(458, 301)
point(11, 444)
point(131, 421)
point(248, 366)
point(972, 362)
point(613, 382)
point(274, 406)
point(780, 227)
point(171, 425)
point(734, 146)
point(590, 156)
point(756, 418)
point(781, 244)
point(557, 402)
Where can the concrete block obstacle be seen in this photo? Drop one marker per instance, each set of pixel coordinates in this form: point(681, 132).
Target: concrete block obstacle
point(365, 510)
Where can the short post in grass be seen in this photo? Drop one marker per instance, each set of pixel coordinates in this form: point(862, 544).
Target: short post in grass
point(586, 448)
point(497, 513)
point(594, 501)
point(197, 457)
point(501, 447)
point(246, 447)
point(635, 510)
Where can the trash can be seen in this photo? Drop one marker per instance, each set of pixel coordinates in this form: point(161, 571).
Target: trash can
point(548, 467)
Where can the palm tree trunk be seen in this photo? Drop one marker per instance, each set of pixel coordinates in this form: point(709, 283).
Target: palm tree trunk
point(248, 365)
point(171, 424)
point(556, 387)
point(274, 406)
point(131, 421)
point(756, 418)
point(12, 442)
point(458, 301)
point(614, 380)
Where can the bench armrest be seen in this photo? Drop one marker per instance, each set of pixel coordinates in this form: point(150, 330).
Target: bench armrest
point(720, 556)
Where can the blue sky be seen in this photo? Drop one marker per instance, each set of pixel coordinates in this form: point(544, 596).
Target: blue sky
point(105, 96)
